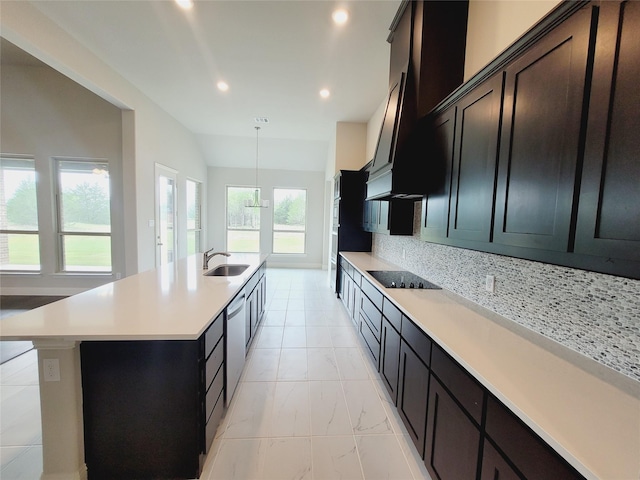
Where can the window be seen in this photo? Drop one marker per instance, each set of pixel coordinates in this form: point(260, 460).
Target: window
point(194, 222)
point(19, 239)
point(84, 215)
point(289, 220)
point(243, 223)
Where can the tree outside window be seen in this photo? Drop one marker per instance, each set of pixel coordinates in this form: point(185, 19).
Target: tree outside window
point(84, 215)
point(243, 223)
point(289, 220)
point(19, 237)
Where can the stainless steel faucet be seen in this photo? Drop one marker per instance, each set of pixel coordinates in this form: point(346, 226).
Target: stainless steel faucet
point(206, 256)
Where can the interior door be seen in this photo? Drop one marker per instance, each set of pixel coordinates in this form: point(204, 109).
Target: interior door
point(166, 221)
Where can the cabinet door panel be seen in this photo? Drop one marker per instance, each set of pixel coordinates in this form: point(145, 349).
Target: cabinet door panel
point(474, 167)
point(413, 395)
point(453, 441)
point(609, 212)
point(435, 206)
point(494, 466)
point(390, 357)
point(540, 141)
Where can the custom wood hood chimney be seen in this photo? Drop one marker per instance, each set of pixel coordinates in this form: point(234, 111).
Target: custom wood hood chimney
point(427, 63)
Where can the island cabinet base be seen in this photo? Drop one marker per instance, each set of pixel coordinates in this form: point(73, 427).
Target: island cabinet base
point(143, 409)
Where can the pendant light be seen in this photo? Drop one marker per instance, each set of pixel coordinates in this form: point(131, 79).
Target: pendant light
point(257, 202)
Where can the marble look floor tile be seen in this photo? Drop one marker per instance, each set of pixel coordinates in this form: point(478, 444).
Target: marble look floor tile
point(287, 459)
point(22, 370)
point(20, 416)
point(294, 337)
point(335, 458)
point(318, 337)
point(296, 318)
point(252, 409)
point(382, 458)
point(238, 460)
point(291, 412)
point(321, 363)
point(368, 416)
point(295, 304)
point(277, 304)
point(390, 407)
point(416, 464)
point(21, 463)
point(269, 337)
point(296, 294)
point(350, 364)
point(343, 337)
point(315, 303)
point(280, 293)
point(318, 318)
point(274, 318)
point(329, 413)
point(293, 364)
point(262, 366)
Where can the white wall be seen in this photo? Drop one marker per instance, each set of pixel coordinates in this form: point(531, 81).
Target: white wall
point(44, 115)
point(494, 25)
point(149, 134)
point(219, 178)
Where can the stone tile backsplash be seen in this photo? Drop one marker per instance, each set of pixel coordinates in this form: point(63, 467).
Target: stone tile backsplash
point(595, 314)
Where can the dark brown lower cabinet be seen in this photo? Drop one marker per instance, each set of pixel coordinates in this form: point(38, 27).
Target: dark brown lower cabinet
point(390, 357)
point(143, 405)
point(453, 440)
point(526, 451)
point(494, 466)
point(413, 392)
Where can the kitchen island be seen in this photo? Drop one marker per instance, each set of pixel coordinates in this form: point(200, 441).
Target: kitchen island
point(174, 303)
point(587, 413)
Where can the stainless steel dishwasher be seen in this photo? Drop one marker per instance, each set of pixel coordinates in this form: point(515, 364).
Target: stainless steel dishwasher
point(236, 340)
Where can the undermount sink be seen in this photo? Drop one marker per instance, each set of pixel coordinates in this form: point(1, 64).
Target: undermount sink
point(226, 270)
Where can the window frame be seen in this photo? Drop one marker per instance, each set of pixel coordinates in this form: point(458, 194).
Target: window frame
point(226, 222)
point(198, 215)
point(9, 158)
point(284, 230)
point(59, 227)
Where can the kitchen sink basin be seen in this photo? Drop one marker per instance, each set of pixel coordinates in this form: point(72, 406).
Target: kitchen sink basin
point(226, 270)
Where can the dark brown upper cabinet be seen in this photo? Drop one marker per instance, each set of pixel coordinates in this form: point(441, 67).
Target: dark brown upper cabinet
point(435, 206)
point(541, 135)
point(609, 211)
point(474, 168)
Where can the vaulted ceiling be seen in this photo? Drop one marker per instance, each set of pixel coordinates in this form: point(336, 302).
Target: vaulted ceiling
point(275, 56)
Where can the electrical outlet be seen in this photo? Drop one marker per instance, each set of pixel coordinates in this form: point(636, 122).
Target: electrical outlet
point(490, 284)
point(404, 254)
point(51, 369)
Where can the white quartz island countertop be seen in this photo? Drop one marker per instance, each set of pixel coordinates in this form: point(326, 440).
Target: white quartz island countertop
point(589, 416)
point(173, 302)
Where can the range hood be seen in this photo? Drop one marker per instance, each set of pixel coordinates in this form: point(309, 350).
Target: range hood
point(427, 61)
point(390, 175)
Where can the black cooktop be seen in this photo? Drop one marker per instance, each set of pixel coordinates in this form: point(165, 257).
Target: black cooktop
point(401, 279)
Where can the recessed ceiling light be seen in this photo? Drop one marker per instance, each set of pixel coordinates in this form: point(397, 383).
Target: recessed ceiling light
point(185, 4)
point(222, 86)
point(340, 16)
point(324, 93)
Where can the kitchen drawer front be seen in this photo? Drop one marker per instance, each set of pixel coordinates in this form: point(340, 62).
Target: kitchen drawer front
point(372, 315)
point(419, 342)
point(213, 334)
point(214, 391)
point(461, 385)
point(357, 278)
point(523, 447)
point(370, 340)
point(372, 292)
point(391, 313)
point(213, 363)
point(213, 421)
